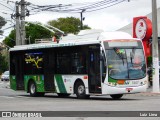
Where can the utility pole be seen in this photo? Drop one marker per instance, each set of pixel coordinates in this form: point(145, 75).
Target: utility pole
point(23, 33)
point(18, 39)
point(155, 58)
point(82, 19)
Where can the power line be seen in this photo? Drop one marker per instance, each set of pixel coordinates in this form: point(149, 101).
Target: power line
point(8, 28)
point(6, 6)
point(9, 2)
point(97, 4)
point(73, 8)
point(88, 7)
point(107, 6)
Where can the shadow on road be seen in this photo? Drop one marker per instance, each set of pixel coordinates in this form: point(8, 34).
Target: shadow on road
point(92, 98)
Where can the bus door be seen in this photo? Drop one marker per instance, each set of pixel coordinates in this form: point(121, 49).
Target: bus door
point(49, 70)
point(94, 69)
point(19, 72)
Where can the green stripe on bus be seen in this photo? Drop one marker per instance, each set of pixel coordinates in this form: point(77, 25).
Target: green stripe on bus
point(60, 84)
point(13, 83)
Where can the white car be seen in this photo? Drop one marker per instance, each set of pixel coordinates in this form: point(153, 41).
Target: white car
point(5, 76)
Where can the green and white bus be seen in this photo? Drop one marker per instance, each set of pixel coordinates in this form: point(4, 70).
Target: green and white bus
point(90, 63)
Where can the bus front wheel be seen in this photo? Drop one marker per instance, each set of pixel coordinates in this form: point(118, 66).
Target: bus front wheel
point(80, 90)
point(116, 96)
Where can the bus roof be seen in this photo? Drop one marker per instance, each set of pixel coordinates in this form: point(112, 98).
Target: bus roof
point(84, 37)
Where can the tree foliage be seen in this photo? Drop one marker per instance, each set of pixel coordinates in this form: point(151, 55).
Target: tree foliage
point(68, 25)
point(10, 40)
point(3, 61)
point(37, 32)
point(2, 23)
point(32, 31)
point(3, 64)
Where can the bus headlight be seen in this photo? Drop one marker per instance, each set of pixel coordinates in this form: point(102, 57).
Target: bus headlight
point(144, 82)
point(112, 84)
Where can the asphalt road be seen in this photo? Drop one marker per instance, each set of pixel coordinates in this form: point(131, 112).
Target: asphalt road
point(21, 101)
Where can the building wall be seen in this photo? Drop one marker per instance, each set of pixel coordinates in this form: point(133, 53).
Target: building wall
point(129, 28)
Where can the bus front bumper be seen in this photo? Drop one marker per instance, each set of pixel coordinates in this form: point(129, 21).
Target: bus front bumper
point(123, 90)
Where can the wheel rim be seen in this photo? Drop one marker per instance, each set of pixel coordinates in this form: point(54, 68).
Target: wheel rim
point(33, 88)
point(81, 89)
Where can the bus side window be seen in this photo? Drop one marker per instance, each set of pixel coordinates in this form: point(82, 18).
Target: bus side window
point(63, 63)
point(78, 63)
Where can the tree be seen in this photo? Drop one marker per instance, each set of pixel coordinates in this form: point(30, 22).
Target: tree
point(2, 23)
point(33, 32)
point(10, 40)
point(68, 25)
point(37, 32)
point(3, 64)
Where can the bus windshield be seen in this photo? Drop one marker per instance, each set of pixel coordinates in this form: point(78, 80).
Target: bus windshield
point(126, 63)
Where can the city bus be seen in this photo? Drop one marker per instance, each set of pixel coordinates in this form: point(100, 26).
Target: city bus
point(90, 63)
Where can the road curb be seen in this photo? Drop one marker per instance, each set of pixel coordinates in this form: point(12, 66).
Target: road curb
point(152, 93)
point(146, 94)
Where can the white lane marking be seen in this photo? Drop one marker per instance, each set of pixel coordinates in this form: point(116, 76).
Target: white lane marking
point(7, 97)
point(21, 97)
point(13, 97)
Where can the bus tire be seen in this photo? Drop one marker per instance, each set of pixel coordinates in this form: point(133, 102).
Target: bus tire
point(116, 96)
point(63, 94)
point(32, 89)
point(80, 90)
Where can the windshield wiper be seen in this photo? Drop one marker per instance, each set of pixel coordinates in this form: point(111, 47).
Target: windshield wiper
point(132, 54)
point(131, 58)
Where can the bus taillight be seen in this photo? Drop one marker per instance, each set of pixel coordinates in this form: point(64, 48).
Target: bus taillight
point(85, 77)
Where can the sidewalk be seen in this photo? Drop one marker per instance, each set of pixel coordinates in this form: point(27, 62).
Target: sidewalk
point(149, 92)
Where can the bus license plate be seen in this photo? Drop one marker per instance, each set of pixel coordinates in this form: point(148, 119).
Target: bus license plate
point(135, 82)
point(129, 89)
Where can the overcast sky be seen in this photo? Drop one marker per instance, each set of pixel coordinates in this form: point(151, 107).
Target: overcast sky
point(109, 19)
